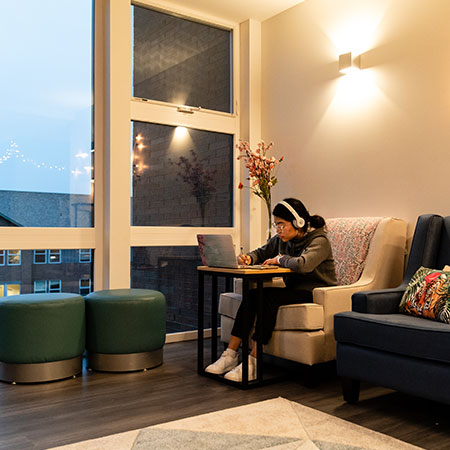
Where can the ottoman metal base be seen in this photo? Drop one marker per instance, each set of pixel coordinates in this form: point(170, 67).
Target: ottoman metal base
point(126, 362)
point(40, 372)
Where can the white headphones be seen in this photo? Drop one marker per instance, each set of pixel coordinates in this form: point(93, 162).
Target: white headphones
point(299, 222)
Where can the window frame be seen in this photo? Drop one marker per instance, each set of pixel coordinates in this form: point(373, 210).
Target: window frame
point(52, 289)
point(42, 290)
point(162, 113)
point(51, 252)
point(82, 288)
point(10, 253)
point(35, 253)
point(82, 252)
point(7, 285)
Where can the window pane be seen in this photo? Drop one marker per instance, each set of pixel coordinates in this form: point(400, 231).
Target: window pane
point(54, 256)
point(40, 287)
point(14, 257)
point(84, 255)
point(85, 287)
point(180, 61)
point(181, 177)
point(2, 257)
point(63, 277)
point(173, 271)
point(54, 286)
point(46, 114)
point(12, 289)
point(40, 256)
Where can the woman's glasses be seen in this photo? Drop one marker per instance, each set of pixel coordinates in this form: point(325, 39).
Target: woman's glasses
point(278, 226)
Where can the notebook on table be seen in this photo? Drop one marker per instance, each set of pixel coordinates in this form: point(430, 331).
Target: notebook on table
point(217, 250)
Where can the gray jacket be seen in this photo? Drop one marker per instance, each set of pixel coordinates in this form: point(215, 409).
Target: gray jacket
point(309, 256)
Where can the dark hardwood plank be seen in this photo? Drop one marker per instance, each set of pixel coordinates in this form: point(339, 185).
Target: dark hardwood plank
point(40, 416)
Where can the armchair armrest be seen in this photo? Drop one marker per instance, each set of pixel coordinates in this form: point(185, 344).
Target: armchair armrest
point(384, 301)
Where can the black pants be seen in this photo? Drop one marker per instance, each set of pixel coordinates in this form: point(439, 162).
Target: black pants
point(273, 298)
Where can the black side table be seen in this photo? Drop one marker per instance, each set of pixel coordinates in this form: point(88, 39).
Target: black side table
point(247, 275)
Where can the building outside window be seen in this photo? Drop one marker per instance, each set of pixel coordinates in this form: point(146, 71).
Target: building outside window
point(64, 274)
point(54, 256)
point(40, 256)
point(14, 257)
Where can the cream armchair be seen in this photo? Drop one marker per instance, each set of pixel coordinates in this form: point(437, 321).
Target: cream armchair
point(369, 254)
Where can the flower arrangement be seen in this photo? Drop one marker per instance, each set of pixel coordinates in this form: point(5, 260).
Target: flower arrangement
point(199, 179)
point(261, 172)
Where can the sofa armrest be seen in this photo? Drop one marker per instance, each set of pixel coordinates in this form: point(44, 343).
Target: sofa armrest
point(384, 301)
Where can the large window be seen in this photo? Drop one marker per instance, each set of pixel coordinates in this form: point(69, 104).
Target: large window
point(46, 145)
point(181, 61)
point(183, 129)
point(181, 176)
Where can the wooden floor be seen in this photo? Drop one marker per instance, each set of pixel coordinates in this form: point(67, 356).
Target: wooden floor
point(40, 416)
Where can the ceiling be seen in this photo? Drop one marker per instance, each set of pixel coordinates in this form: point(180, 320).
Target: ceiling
point(235, 10)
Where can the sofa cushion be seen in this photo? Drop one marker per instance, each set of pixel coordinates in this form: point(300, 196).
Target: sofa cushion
point(302, 316)
point(350, 240)
point(395, 333)
point(427, 295)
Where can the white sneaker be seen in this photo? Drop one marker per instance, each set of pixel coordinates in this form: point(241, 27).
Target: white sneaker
point(227, 361)
point(236, 373)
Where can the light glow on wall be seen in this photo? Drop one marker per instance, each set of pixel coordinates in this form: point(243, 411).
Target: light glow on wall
point(356, 89)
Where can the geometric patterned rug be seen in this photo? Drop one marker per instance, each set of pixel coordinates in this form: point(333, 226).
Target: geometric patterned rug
point(276, 424)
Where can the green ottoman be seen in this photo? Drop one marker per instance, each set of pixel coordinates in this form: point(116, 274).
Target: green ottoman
point(42, 337)
point(125, 329)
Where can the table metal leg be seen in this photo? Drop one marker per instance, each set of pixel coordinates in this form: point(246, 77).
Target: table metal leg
point(214, 300)
point(246, 332)
point(201, 302)
point(259, 331)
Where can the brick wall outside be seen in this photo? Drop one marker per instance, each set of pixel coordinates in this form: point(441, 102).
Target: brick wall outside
point(173, 271)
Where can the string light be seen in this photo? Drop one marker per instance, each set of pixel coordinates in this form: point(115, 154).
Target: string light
point(14, 152)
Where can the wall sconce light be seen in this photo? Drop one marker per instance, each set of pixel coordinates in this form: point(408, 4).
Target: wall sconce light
point(348, 64)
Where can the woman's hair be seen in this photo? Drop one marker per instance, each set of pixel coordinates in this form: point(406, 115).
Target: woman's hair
point(283, 212)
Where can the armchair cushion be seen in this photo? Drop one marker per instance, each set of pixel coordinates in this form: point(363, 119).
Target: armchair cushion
point(395, 333)
point(303, 316)
point(427, 295)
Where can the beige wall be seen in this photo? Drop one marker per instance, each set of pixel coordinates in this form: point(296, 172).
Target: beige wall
point(375, 144)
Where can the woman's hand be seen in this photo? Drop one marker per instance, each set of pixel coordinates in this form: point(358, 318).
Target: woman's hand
point(271, 262)
point(244, 259)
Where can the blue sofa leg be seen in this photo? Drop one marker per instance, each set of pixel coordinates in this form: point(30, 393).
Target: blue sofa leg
point(350, 389)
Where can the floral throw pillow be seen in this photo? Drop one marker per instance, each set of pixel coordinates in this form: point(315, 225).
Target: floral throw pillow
point(428, 295)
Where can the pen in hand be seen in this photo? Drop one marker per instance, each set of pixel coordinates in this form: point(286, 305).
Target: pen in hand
point(243, 258)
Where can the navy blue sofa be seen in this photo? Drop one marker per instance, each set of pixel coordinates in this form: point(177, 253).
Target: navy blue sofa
point(377, 344)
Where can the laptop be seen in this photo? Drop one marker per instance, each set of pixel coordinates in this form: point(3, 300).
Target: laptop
point(217, 250)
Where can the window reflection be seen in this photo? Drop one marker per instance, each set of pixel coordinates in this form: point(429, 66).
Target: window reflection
point(181, 178)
